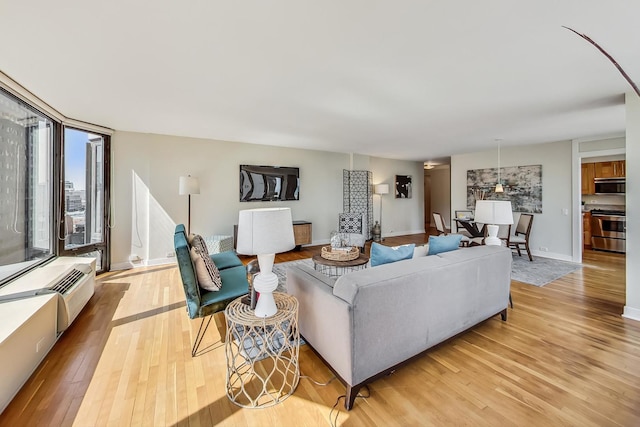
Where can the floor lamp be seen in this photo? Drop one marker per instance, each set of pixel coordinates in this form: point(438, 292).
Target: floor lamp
point(189, 185)
point(381, 189)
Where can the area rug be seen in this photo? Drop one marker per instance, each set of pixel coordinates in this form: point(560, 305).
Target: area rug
point(538, 272)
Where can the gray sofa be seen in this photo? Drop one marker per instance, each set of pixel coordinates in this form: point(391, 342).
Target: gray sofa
point(368, 322)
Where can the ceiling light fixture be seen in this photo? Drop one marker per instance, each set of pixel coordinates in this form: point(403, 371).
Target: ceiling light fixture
point(428, 166)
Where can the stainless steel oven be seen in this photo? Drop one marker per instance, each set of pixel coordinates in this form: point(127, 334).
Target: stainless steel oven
point(610, 185)
point(608, 230)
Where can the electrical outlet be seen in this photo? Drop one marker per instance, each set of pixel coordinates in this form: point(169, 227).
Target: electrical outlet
point(171, 254)
point(39, 344)
point(134, 258)
point(544, 249)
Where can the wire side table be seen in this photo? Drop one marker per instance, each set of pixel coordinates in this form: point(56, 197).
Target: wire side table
point(262, 353)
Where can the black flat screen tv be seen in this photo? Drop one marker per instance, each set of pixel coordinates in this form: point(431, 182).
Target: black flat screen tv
point(269, 183)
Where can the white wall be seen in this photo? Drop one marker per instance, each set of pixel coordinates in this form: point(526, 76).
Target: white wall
point(399, 216)
point(147, 205)
point(552, 229)
point(632, 307)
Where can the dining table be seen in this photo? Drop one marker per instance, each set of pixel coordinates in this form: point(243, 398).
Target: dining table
point(471, 226)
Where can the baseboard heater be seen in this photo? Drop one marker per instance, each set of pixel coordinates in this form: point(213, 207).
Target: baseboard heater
point(74, 288)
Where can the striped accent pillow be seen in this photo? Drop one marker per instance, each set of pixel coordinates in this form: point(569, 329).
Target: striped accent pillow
point(207, 273)
point(196, 240)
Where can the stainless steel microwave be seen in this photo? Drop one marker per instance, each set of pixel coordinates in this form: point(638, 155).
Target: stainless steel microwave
point(610, 185)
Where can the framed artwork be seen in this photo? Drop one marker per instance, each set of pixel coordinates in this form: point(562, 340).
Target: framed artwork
point(403, 186)
point(522, 186)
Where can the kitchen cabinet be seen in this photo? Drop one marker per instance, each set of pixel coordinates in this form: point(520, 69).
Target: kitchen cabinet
point(586, 230)
point(588, 173)
point(613, 169)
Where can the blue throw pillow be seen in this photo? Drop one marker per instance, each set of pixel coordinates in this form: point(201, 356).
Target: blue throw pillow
point(439, 244)
point(381, 254)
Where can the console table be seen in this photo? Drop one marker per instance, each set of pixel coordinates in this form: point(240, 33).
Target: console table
point(302, 233)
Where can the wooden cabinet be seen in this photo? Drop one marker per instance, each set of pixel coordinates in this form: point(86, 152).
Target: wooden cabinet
point(586, 230)
point(613, 169)
point(301, 233)
point(588, 173)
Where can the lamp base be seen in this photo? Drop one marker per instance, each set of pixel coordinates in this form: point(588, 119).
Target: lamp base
point(492, 236)
point(265, 283)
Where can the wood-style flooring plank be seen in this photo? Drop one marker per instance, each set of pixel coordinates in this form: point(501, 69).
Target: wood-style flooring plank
point(564, 357)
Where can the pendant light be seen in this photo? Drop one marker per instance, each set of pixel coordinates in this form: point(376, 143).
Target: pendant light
point(499, 188)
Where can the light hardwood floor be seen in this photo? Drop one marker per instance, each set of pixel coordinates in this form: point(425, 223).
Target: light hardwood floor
point(564, 357)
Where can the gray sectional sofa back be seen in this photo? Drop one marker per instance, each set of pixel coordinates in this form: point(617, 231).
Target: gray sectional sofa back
point(367, 322)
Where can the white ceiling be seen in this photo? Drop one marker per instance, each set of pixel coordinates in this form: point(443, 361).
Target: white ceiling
point(415, 80)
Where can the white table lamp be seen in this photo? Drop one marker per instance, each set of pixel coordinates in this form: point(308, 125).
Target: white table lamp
point(265, 232)
point(493, 213)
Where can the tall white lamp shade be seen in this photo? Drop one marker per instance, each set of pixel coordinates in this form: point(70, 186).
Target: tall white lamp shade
point(493, 213)
point(265, 232)
point(188, 185)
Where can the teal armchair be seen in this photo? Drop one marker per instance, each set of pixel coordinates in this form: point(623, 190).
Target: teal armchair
point(200, 302)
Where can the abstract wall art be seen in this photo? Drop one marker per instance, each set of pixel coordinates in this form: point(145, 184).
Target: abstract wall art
point(403, 186)
point(522, 186)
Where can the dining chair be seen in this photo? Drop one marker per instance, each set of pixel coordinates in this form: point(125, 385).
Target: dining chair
point(520, 240)
point(504, 234)
point(441, 228)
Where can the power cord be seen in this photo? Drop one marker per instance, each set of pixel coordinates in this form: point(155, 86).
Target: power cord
point(334, 421)
point(318, 383)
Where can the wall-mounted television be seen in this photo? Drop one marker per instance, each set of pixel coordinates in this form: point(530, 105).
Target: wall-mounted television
point(269, 183)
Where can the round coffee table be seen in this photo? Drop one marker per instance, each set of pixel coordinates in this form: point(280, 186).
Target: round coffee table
point(333, 268)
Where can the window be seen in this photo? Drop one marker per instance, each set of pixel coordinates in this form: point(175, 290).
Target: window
point(85, 190)
point(26, 146)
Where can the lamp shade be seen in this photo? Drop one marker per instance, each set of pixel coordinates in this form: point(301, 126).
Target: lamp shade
point(381, 189)
point(497, 212)
point(265, 231)
point(189, 185)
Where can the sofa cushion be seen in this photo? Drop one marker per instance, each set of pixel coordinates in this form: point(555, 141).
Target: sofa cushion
point(381, 254)
point(421, 250)
point(224, 260)
point(206, 271)
point(439, 244)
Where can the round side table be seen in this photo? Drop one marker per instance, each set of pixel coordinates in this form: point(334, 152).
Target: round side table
point(262, 353)
point(333, 268)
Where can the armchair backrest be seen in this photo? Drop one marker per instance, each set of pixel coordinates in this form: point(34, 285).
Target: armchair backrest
point(187, 272)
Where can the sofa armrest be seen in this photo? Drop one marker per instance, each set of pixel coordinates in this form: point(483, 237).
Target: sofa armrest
point(324, 320)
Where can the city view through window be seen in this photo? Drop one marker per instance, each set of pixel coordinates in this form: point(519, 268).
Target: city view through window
point(83, 189)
